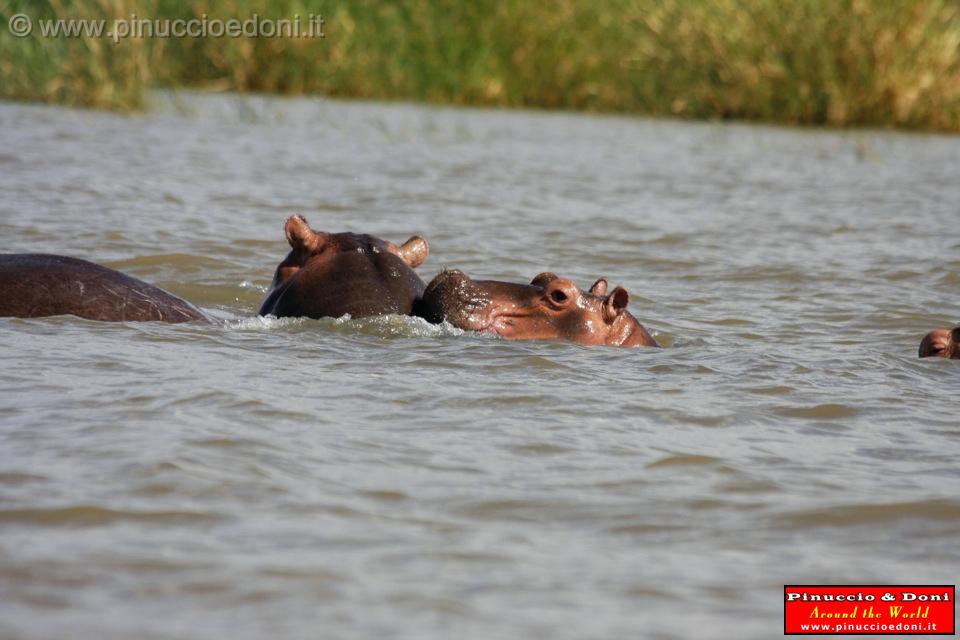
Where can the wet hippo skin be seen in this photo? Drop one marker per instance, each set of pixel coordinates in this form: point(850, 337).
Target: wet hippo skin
point(37, 285)
point(549, 308)
point(941, 343)
point(334, 274)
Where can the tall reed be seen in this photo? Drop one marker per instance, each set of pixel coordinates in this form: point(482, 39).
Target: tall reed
point(833, 62)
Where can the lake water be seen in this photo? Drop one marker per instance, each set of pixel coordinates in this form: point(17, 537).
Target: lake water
point(390, 479)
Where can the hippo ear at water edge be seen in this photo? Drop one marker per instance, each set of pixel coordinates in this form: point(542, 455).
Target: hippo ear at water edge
point(599, 287)
point(301, 237)
point(542, 279)
point(615, 304)
point(414, 251)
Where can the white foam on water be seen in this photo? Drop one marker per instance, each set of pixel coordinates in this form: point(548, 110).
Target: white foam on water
point(388, 326)
point(246, 284)
point(265, 322)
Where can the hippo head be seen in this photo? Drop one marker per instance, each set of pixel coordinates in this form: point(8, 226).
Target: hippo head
point(548, 308)
point(329, 275)
point(941, 343)
point(307, 244)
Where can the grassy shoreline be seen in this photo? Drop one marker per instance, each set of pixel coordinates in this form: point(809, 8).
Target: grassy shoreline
point(877, 63)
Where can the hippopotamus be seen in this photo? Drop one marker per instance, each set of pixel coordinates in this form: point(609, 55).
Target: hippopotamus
point(548, 308)
point(942, 343)
point(37, 285)
point(334, 274)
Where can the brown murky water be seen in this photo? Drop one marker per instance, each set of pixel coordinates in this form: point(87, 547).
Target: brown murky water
point(388, 479)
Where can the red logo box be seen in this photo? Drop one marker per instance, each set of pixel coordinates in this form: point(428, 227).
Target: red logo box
point(908, 610)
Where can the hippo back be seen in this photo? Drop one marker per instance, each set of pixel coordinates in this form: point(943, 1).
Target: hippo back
point(38, 285)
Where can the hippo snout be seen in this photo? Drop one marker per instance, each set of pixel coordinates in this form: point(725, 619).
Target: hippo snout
point(448, 278)
point(441, 295)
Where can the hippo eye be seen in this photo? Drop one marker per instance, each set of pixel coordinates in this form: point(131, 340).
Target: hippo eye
point(558, 296)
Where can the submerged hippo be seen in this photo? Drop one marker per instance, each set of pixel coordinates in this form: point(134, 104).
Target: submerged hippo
point(941, 343)
point(333, 274)
point(37, 285)
point(548, 308)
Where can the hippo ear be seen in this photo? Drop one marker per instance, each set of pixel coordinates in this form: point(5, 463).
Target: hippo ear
point(414, 251)
point(301, 237)
point(542, 279)
point(615, 304)
point(599, 287)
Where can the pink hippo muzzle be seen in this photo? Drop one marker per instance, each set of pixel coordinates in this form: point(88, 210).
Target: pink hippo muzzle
point(549, 308)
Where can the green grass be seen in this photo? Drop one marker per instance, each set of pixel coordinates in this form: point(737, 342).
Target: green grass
point(827, 62)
